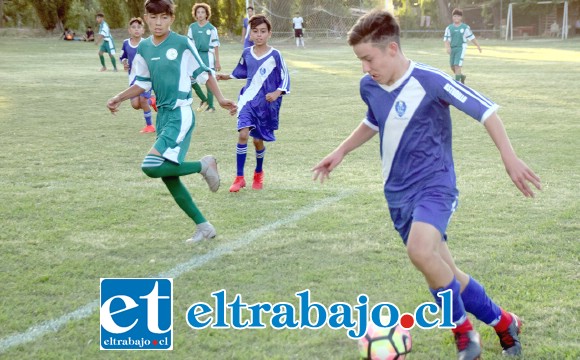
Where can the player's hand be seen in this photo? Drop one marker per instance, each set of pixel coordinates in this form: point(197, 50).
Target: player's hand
point(113, 105)
point(229, 105)
point(218, 66)
point(521, 174)
point(325, 166)
point(272, 96)
point(448, 51)
point(222, 76)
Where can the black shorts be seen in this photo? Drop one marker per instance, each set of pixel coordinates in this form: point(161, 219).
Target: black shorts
point(297, 32)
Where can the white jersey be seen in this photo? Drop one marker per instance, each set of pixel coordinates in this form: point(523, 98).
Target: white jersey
point(298, 21)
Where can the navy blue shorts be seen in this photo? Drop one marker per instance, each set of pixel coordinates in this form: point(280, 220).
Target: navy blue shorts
point(428, 206)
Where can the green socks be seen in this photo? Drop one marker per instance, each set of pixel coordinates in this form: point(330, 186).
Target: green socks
point(183, 198)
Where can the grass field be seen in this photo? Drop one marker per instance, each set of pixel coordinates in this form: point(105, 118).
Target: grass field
point(75, 206)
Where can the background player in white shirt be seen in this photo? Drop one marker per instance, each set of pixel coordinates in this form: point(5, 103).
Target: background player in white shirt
point(298, 25)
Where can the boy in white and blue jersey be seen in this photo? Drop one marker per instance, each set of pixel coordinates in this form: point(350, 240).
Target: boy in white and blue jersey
point(260, 99)
point(128, 52)
point(108, 45)
point(165, 62)
point(408, 106)
point(246, 40)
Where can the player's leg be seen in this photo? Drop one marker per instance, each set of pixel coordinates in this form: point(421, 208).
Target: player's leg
point(430, 216)
point(165, 161)
point(210, 107)
point(110, 49)
point(199, 92)
point(478, 303)
point(258, 182)
point(241, 152)
point(147, 113)
point(102, 59)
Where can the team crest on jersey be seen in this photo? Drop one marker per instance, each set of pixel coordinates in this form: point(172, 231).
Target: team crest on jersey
point(462, 30)
point(171, 54)
point(400, 108)
point(207, 32)
point(262, 71)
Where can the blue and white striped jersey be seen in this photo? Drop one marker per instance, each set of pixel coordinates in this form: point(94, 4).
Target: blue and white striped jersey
point(265, 74)
point(413, 119)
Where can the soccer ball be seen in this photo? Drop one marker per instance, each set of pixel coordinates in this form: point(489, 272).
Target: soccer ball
point(384, 344)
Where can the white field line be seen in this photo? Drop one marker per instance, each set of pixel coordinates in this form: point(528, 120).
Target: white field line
point(51, 326)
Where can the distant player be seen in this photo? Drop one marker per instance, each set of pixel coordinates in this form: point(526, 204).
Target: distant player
point(164, 62)
point(207, 42)
point(246, 28)
point(298, 25)
point(128, 52)
point(108, 45)
point(260, 99)
point(456, 37)
point(408, 106)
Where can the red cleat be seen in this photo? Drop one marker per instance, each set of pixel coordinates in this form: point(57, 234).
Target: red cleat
point(258, 183)
point(238, 184)
point(153, 102)
point(148, 129)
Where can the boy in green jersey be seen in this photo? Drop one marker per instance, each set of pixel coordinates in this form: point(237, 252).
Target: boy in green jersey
point(165, 62)
point(206, 40)
point(456, 37)
point(108, 45)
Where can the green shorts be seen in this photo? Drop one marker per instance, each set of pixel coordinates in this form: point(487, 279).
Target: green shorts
point(107, 47)
point(174, 129)
point(456, 56)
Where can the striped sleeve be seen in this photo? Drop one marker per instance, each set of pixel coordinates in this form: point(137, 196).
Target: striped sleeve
point(468, 34)
point(142, 74)
point(284, 84)
point(194, 65)
point(214, 40)
point(447, 35)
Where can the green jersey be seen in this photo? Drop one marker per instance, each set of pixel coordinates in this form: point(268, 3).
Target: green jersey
point(459, 35)
point(168, 68)
point(105, 32)
point(205, 37)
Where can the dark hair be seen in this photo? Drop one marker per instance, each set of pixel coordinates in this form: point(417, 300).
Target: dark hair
point(457, 11)
point(137, 20)
point(250, 7)
point(257, 20)
point(377, 27)
point(160, 7)
point(100, 15)
point(201, 5)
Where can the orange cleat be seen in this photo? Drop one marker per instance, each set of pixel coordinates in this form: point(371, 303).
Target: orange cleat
point(153, 102)
point(148, 129)
point(258, 183)
point(238, 184)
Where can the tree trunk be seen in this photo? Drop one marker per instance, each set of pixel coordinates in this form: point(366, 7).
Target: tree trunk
point(444, 12)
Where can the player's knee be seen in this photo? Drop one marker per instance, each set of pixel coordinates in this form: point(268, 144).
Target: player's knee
point(152, 172)
point(419, 254)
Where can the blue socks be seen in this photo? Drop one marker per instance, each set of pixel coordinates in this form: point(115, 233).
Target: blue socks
point(479, 304)
point(241, 151)
point(459, 316)
point(260, 159)
point(147, 116)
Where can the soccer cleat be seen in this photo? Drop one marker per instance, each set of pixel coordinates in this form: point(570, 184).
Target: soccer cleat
point(239, 183)
point(258, 183)
point(148, 129)
point(509, 339)
point(209, 171)
point(468, 345)
point(210, 110)
point(202, 106)
point(103, 69)
point(153, 102)
point(203, 231)
point(463, 77)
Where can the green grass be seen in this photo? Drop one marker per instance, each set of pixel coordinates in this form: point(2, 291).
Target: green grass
point(75, 206)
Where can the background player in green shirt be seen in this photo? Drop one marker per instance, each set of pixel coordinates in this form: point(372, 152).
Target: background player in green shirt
point(108, 45)
point(205, 37)
point(165, 62)
point(456, 37)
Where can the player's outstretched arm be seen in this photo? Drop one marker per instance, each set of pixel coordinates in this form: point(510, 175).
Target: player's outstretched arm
point(518, 171)
point(359, 136)
point(114, 102)
point(224, 103)
point(474, 41)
